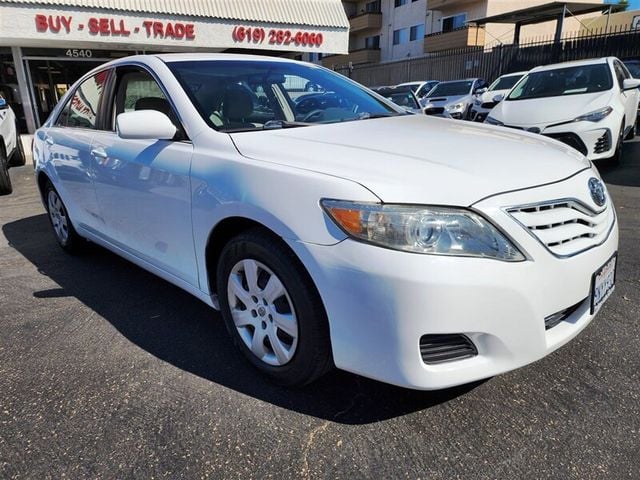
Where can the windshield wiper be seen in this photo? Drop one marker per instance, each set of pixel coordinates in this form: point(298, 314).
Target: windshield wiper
point(270, 125)
point(275, 124)
point(368, 115)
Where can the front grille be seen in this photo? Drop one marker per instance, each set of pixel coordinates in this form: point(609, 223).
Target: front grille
point(565, 227)
point(570, 139)
point(603, 144)
point(437, 348)
point(434, 110)
point(553, 320)
point(489, 104)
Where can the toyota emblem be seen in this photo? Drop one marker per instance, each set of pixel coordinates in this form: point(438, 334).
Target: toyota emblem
point(596, 188)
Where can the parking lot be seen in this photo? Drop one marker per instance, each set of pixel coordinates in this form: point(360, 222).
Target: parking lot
point(106, 371)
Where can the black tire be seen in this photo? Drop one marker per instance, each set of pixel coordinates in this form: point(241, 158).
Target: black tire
point(312, 355)
point(632, 133)
point(5, 180)
point(71, 242)
point(617, 156)
point(17, 158)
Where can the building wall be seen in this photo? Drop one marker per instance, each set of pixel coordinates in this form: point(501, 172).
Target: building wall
point(503, 33)
point(393, 18)
point(620, 20)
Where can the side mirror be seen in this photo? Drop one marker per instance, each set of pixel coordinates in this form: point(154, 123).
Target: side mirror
point(498, 98)
point(630, 83)
point(3, 104)
point(480, 91)
point(145, 125)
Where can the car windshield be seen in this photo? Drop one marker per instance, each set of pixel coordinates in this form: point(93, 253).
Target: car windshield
point(424, 90)
point(564, 81)
point(402, 96)
point(505, 83)
point(451, 88)
point(634, 68)
point(233, 95)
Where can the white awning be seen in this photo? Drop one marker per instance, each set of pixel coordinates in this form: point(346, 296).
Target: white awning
point(318, 13)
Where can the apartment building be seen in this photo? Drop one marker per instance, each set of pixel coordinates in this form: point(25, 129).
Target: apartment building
point(387, 30)
point(383, 30)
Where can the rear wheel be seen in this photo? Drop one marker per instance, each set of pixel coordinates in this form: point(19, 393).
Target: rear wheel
point(18, 158)
point(5, 180)
point(272, 309)
point(63, 230)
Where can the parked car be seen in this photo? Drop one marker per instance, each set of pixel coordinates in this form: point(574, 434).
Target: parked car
point(402, 96)
point(591, 105)
point(485, 101)
point(351, 237)
point(453, 99)
point(421, 89)
point(11, 154)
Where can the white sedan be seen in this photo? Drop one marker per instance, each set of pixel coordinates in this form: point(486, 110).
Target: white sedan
point(590, 105)
point(348, 235)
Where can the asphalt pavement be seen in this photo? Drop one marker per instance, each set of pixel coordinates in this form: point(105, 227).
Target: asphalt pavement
point(106, 371)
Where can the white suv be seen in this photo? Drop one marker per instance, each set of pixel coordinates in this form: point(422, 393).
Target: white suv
point(590, 105)
point(11, 154)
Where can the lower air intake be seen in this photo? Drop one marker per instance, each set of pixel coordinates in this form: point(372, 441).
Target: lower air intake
point(446, 347)
point(553, 320)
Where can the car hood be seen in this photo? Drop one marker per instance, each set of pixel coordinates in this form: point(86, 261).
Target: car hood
point(418, 159)
point(440, 101)
point(546, 111)
point(490, 95)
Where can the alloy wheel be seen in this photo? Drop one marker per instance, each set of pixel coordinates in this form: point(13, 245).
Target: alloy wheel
point(262, 312)
point(58, 216)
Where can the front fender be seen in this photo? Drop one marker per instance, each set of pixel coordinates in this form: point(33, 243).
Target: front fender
point(283, 199)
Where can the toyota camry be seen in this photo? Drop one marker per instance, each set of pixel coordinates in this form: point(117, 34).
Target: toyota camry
point(348, 234)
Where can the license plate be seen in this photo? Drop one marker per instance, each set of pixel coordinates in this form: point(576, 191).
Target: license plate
point(603, 283)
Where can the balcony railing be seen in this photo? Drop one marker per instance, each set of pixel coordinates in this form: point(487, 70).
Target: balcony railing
point(468, 36)
point(365, 21)
point(363, 55)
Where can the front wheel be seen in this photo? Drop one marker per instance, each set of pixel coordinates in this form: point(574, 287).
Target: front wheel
point(617, 156)
point(272, 309)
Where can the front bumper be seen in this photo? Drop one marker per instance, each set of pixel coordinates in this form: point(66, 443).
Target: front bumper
point(380, 302)
point(595, 141)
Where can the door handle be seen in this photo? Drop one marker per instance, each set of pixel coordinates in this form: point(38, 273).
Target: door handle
point(99, 153)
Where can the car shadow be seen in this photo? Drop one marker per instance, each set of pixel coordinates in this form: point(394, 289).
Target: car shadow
point(627, 172)
point(179, 329)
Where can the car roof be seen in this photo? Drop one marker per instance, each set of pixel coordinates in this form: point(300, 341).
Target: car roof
point(462, 80)
point(514, 74)
point(183, 57)
point(575, 63)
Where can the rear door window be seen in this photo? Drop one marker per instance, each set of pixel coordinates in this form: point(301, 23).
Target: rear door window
point(81, 110)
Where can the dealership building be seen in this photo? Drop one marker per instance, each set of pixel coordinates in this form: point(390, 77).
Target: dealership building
point(46, 45)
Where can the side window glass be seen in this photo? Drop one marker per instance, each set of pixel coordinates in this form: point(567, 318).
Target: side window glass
point(64, 116)
point(137, 90)
point(83, 109)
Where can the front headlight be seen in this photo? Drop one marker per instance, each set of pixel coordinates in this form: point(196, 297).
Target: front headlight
point(594, 116)
point(492, 121)
point(422, 229)
point(477, 102)
point(454, 107)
